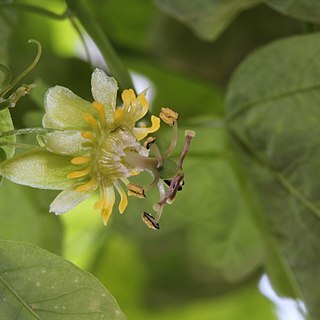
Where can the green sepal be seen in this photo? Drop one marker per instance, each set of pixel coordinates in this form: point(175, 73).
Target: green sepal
point(39, 168)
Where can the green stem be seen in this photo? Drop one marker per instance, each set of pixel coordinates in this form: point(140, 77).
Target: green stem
point(24, 131)
point(89, 23)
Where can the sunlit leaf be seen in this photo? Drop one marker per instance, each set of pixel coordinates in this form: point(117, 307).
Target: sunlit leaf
point(305, 10)
point(274, 116)
point(59, 289)
point(207, 18)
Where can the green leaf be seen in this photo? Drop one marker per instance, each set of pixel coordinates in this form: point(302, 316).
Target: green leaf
point(36, 284)
point(305, 10)
point(187, 96)
point(29, 219)
point(274, 117)
point(207, 18)
point(221, 231)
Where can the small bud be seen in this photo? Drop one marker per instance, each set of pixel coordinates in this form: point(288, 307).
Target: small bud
point(149, 142)
point(136, 190)
point(168, 116)
point(150, 221)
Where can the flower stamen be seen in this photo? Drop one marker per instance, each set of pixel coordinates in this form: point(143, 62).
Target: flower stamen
point(79, 174)
point(91, 184)
point(123, 197)
point(136, 190)
point(150, 221)
point(168, 116)
point(150, 140)
point(101, 112)
point(118, 115)
point(81, 160)
point(141, 133)
point(89, 135)
point(91, 121)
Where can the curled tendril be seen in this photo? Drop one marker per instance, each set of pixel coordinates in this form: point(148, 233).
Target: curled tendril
point(7, 73)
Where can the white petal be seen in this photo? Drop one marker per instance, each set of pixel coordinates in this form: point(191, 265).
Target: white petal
point(104, 89)
point(68, 142)
point(64, 109)
point(68, 199)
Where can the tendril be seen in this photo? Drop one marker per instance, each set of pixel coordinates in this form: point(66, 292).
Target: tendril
point(26, 71)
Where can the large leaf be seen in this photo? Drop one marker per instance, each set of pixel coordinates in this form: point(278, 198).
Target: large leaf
point(274, 116)
point(305, 10)
point(35, 284)
point(207, 18)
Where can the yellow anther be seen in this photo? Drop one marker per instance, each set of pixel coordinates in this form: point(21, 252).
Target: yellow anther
point(129, 98)
point(142, 132)
point(150, 221)
point(81, 160)
point(79, 174)
point(99, 107)
point(155, 124)
point(100, 203)
point(136, 190)
point(142, 100)
point(168, 116)
point(118, 115)
point(126, 98)
point(150, 140)
point(87, 186)
point(106, 214)
point(91, 120)
point(133, 97)
point(124, 200)
point(88, 135)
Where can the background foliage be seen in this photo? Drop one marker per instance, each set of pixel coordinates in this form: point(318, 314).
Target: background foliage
point(250, 205)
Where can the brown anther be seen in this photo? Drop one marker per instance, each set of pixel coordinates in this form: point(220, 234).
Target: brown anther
point(136, 190)
point(150, 221)
point(168, 116)
point(150, 140)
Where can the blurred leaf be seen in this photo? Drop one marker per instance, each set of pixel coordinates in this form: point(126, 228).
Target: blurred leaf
point(126, 22)
point(206, 18)
point(220, 231)
point(127, 275)
point(275, 267)
point(206, 227)
point(36, 284)
point(29, 219)
point(244, 304)
point(305, 10)
point(184, 94)
point(274, 117)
